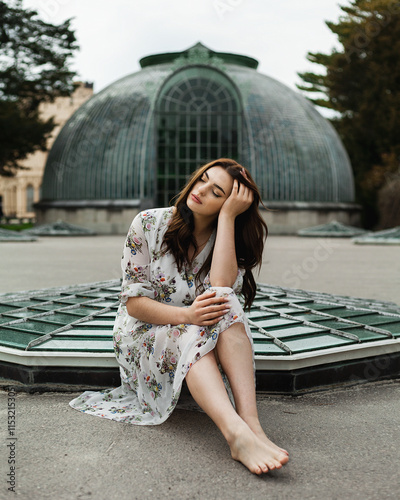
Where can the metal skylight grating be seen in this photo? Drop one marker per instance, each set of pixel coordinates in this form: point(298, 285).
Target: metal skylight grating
point(7, 235)
point(385, 237)
point(332, 229)
point(283, 322)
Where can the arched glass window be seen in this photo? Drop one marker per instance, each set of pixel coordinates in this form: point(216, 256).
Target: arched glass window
point(12, 208)
point(198, 121)
point(30, 194)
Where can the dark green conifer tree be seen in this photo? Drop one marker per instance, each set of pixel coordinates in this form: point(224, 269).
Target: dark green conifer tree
point(362, 84)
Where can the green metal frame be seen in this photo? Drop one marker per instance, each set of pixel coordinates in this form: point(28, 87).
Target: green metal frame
point(198, 120)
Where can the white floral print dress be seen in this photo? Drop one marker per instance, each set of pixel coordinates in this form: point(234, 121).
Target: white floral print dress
point(154, 359)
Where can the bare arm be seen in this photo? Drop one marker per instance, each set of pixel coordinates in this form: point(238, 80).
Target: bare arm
point(137, 286)
point(224, 267)
point(205, 310)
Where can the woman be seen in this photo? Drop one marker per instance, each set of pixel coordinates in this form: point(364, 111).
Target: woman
point(179, 316)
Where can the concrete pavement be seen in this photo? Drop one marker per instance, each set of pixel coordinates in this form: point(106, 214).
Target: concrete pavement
point(343, 442)
point(332, 265)
point(343, 445)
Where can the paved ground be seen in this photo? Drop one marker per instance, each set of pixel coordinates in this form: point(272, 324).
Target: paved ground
point(343, 443)
point(327, 265)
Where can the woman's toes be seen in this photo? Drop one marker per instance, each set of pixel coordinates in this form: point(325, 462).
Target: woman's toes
point(271, 465)
point(284, 459)
point(257, 470)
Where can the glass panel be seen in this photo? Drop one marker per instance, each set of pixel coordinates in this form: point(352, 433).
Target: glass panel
point(161, 152)
point(193, 153)
point(202, 124)
point(214, 152)
point(30, 193)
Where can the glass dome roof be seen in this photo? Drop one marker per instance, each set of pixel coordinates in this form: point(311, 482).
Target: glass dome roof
point(143, 135)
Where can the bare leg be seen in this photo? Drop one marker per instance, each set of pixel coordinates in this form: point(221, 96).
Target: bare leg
point(236, 358)
point(207, 388)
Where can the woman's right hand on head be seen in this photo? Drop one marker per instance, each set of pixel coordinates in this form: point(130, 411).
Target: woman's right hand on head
point(238, 201)
point(207, 309)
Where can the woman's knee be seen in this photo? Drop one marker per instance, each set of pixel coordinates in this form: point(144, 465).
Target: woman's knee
point(234, 339)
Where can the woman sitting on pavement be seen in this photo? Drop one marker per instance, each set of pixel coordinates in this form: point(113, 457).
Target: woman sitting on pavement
point(179, 316)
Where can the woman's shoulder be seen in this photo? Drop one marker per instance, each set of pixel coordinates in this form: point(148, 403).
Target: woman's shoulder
point(154, 218)
point(157, 213)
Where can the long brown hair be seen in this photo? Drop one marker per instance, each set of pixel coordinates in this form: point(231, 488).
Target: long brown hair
point(250, 230)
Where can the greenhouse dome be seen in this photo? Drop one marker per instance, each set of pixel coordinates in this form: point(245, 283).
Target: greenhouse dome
point(134, 144)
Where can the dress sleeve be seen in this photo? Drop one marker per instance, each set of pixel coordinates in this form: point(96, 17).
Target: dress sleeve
point(135, 264)
point(236, 287)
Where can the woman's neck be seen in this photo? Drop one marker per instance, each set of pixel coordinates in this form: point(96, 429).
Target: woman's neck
point(203, 228)
point(203, 225)
point(202, 236)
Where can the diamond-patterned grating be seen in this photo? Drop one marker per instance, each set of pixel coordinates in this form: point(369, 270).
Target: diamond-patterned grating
point(7, 235)
point(70, 319)
point(81, 318)
point(70, 326)
point(59, 228)
point(385, 237)
point(332, 229)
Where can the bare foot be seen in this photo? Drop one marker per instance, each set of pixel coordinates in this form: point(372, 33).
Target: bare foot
point(255, 426)
point(248, 449)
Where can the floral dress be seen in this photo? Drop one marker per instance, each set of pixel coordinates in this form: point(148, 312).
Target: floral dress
point(154, 359)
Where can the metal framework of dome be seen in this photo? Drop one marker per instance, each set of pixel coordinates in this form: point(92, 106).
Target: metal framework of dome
point(7, 235)
point(333, 229)
point(137, 141)
point(385, 237)
point(59, 228)
point(62, 338)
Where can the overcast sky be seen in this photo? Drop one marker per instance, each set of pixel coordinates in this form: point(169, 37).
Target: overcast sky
point(114, 34)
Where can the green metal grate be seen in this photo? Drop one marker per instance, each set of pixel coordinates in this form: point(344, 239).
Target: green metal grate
point(59, 228)
point(61, 338)
point(385, 237)
point(332, 229)
point(7, 235)
point(283, 322)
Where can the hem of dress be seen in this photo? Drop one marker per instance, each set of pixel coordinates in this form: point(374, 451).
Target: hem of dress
point(178, 390)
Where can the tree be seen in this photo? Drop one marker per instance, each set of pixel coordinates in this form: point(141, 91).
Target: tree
point(362, 84)
point(34, 58)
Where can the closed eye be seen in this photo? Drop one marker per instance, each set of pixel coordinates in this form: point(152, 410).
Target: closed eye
point(205, 179)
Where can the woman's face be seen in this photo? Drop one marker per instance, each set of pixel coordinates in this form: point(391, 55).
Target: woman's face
point(210, 192)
